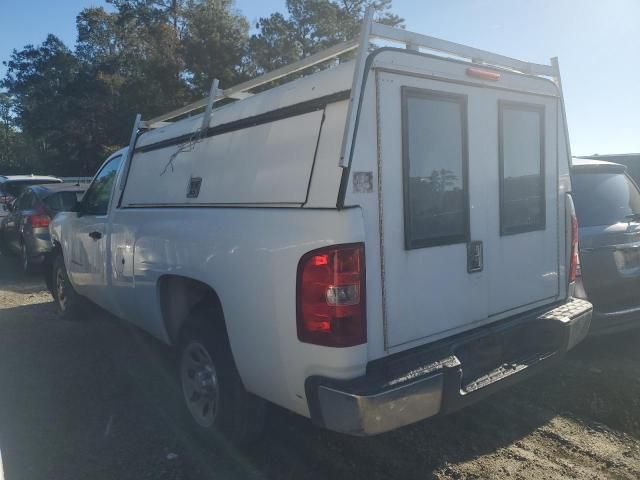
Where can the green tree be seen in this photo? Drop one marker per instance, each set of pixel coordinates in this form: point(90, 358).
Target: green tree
point(215, 43)
point(66, 109)
point(145, 54)
point(17, 152)
point(7, 131)
point(41, 81)
point(310, 26)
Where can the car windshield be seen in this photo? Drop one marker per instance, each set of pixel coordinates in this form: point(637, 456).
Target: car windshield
point(62, 201)
point(604, 198)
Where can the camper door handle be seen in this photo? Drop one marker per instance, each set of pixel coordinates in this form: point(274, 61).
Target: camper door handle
point(475, 256)
point(95, 235)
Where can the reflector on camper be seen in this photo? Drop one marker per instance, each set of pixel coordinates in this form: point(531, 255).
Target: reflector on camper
point(484, 74)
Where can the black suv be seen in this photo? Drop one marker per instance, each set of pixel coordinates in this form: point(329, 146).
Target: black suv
point(607, 204)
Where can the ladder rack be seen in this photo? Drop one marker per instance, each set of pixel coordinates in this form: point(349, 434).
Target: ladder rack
point(373, 30)
point(370, 30)
point(241, 90)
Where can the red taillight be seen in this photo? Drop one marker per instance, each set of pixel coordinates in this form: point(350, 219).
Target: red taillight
point(331, 296)
point(39, 219)
point(572, 239)
point(575, 260)
point(484, 74)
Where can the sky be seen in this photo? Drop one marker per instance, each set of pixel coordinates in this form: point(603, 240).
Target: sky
point(597, 42)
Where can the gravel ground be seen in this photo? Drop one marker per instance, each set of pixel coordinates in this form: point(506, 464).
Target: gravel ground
point(97, 399)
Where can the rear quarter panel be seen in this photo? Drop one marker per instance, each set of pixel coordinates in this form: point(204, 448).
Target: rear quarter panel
point(249, 256)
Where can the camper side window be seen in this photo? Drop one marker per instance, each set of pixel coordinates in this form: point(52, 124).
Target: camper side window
point(435, 161)
point(521, 150)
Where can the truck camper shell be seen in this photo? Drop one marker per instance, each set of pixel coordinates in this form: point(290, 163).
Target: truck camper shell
point(292, 145)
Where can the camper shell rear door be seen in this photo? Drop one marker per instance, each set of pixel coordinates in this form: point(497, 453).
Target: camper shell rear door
point(468, 195)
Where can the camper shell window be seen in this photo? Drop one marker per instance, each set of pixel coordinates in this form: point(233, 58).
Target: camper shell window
point(435, 164)
point(521, 152)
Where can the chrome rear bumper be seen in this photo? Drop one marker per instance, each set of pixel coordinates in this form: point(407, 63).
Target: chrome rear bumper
point(448, 375)
point(380, 412)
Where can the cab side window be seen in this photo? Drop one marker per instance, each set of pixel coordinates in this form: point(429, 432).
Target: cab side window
point(96, 200)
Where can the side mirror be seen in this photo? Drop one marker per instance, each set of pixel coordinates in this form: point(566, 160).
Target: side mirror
point(8, 207)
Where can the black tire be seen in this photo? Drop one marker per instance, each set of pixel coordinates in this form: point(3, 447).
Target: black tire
point(214, 396)
point(47, 270)
point(25, 262)
point(70, 304)
point(4, 249)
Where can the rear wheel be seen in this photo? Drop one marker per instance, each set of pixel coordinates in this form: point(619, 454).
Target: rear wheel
point(47, 270)
point(70, 304)
point(4, 249)
point(214, 396)
point(25, 262)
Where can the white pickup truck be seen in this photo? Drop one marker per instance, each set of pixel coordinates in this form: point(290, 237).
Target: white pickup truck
point(379, 242)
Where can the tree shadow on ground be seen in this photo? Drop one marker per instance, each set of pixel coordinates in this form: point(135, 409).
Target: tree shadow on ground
point(13, 279)
point(98, 399)
point(597, 382)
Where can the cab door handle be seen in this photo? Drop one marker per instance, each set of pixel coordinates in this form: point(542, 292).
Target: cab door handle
point(96, 235)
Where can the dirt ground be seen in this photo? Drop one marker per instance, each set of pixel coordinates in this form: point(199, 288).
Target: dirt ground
point(97, 400)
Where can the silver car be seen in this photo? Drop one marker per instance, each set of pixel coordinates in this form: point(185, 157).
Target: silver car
point(607, 204)
point(11, 186)
point(25, 230)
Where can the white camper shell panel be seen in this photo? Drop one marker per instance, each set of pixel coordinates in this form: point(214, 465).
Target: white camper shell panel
point(258, 161)
point(269, 163)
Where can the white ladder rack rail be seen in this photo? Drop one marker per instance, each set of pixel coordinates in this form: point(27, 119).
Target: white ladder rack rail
point(413, 40)
point(369, 30)
point(241, 90)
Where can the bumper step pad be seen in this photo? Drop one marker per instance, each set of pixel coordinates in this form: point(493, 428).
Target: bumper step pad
point(448, 375)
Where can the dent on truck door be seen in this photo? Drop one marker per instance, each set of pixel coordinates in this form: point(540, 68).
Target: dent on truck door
point(122, 238)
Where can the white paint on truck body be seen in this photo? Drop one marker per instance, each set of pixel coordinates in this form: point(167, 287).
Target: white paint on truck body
point(254, 275)
point(270, 193)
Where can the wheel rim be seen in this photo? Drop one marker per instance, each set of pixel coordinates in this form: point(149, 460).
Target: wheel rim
point(200, 384)
point(61, 292)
